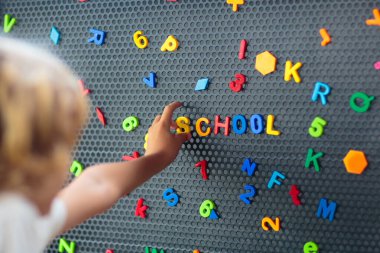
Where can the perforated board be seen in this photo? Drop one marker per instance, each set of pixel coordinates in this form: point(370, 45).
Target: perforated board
point(209, 34)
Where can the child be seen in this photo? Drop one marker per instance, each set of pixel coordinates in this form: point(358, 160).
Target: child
point(42, 111)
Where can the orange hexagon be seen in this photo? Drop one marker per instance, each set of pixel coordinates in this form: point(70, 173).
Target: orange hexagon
point(265, 63)
point(355, 162)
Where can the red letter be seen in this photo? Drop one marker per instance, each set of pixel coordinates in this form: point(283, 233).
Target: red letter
point(294, 192)
point(225, 125)
point(141, 209)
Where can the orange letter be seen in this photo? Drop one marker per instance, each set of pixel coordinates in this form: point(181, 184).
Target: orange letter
point(198, 127)
point(183, 124)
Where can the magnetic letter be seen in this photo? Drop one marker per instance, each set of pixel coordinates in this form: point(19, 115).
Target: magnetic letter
point(249, 167)
point(183, 124)
point(171, 44)
point(322, 94)
point(64, 246)
point(198, 127)
point(270, 129)
point(313, 158)
point(257, 123)
point(273, 180)
point(141, 209)
point(326, 210)
point(225, 125)
point(292, 71)
point(239, 121)
point(294, 192)
point(310, 247)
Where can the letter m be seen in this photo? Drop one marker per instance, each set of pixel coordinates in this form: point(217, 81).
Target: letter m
point(326, 210)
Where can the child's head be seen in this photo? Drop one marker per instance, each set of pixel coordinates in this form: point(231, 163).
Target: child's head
point(42, 111)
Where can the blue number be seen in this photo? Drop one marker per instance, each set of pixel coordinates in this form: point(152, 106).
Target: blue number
point(252, 192)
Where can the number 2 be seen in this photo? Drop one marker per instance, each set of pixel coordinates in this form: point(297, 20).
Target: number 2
point(275, 225)
point(245, 197)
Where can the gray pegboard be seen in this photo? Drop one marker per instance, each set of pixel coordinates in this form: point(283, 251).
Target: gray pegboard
point(209, 34)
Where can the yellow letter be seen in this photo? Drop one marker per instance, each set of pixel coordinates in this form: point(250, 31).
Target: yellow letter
point(291, 70)
point(171, 44)
point(270, 130)
point(198, 127)
point(183, 124)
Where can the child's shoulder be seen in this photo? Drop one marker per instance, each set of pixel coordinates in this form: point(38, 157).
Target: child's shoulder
point(22, 227)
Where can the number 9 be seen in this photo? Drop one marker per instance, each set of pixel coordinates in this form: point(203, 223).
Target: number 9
point(206, 208)
point(140, 40)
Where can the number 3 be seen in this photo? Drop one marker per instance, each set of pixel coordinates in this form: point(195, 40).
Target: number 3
point(317, 126)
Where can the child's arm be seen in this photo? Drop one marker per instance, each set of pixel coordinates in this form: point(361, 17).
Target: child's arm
point(100, 186)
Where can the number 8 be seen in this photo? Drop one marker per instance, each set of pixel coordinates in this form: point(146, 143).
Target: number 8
point(206, 208)
point(140, 40)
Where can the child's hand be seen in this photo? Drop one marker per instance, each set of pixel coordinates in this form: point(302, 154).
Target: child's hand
point(161, 140)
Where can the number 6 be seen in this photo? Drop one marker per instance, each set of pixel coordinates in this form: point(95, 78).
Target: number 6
point(206, 208)
point(140, 40)
point(317, 126)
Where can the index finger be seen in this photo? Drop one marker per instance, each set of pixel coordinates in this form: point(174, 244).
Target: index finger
point(167, 115)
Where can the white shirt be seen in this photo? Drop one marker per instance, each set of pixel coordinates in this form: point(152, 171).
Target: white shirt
point(23, 229)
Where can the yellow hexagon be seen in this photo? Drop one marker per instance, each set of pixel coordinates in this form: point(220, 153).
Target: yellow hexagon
point(265, 63)
point(355, 162)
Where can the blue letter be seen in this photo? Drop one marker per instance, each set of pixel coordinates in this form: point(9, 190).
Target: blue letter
point(326, 211)
point(248, 167)
point(273, 179)
point(257, 125)
point(243, 124)
point(322, 94)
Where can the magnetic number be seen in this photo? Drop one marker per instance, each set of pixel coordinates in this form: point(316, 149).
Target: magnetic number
point(275, 225)
point(252, 192)
point(206, 208)
point(140, 40)
point(317, 126)
point(237, 85)
point(130, 123)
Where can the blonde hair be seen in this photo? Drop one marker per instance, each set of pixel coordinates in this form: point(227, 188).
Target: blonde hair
point(42, 110)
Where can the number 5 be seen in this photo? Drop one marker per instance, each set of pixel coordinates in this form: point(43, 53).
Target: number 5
point(317, 126)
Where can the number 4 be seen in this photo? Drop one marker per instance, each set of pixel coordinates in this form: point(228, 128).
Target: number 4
point(317, 126)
